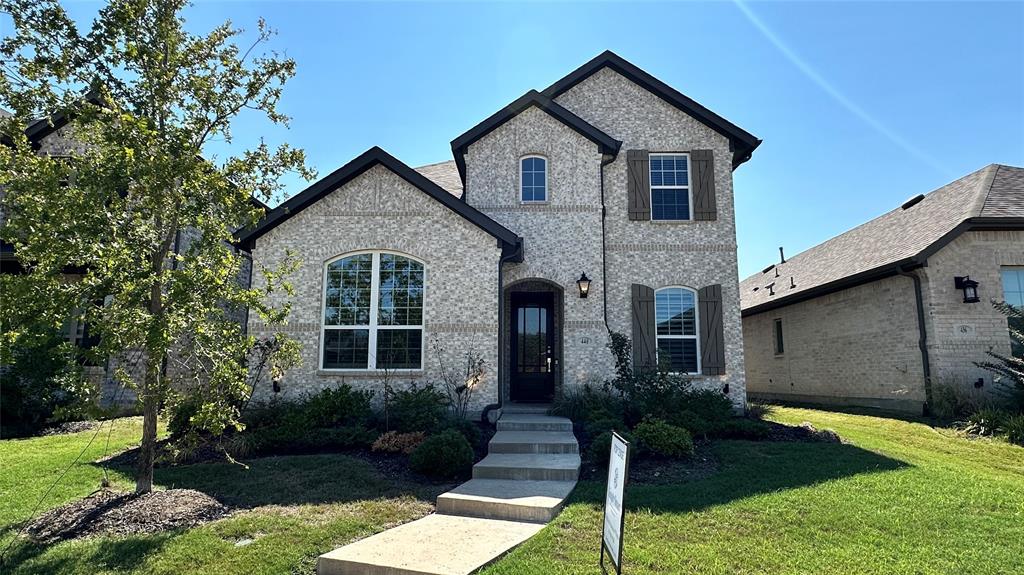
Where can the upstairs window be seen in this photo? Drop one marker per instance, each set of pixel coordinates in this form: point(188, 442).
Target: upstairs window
point(670, 187)
point(533, 175)
point(675, 316)
point(373, 313)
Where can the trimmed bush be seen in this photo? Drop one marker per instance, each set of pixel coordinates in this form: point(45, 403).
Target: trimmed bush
point(340, 405)
point(446, 455)
point(664, 439)
point(292, 439)
point(470, 430)
point(394, 442)
point(599, 451)
point(417, 409)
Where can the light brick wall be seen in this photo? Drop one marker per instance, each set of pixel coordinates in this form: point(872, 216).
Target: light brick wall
point(692, 254)
point(960, 334)
point(380, 211)
point(858, 346)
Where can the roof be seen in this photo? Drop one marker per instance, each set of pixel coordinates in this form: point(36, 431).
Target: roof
point(990, 198)
point(444, 174)
point(510, 242)
point(606, 143)
point(741, 142)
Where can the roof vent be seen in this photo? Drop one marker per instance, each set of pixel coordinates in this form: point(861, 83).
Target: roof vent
point(768, 269)
point(912, 201)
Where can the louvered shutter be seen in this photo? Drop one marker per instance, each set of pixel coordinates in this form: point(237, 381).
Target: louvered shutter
point(702, 173)
point(638, 184)
point(712, 336)
point(644, 338)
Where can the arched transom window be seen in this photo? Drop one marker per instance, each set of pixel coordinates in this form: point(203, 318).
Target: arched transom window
point(675, 315)
point(373, 312)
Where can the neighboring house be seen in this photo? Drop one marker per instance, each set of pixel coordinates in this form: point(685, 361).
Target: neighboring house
point(603, 203)
point(881, 315)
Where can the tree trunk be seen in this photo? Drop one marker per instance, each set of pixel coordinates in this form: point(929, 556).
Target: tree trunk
point(147, 451)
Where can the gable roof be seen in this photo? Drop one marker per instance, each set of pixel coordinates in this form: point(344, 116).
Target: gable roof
point(990, 198)
point(606, 143)
point(741, 142)
point(368, 159)
point(444, 174)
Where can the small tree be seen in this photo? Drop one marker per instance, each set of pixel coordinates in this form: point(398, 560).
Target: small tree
point(458, 387)
point(1010, 367)
point(135, 207)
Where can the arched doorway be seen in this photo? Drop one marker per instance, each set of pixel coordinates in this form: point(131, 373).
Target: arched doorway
point(533, 336)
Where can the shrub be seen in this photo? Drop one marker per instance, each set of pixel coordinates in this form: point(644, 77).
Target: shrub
point(291, 439)
point(952, 401)
point(416, 409)
point(586, 403)
point(468, 429)
point(600, 449)
point(394, 442)
point(743, 428)
point(445, 455)
point(180, 422)
point(691, 422)
point(986, 422)
point(664, 439)
point(341, 405)
point(758, 411)
point(1013, 427)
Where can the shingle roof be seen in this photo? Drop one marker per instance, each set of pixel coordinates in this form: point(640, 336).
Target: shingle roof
point(899, 237)
point(444, 174)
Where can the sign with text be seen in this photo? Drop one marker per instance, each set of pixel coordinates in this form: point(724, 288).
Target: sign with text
point(614, 512)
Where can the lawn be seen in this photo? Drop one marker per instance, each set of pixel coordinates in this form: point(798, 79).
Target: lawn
point(901, 498)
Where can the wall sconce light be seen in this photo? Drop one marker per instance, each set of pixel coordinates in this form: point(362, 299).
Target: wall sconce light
point(969, 286)
point(584, 284)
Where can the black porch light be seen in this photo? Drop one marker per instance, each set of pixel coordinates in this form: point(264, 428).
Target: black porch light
point(969, 286)
point(584, 284)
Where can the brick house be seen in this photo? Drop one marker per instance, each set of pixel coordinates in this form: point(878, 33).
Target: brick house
point(604, 202)
point(882, 314)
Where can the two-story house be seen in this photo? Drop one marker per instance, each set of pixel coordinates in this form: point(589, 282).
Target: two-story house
point(603, 203)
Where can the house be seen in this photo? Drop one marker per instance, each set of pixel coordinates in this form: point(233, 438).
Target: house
point(883, 314)
point(604, 202)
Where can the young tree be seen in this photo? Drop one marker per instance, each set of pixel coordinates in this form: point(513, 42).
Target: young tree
point(1010, 367)
point(145, 219)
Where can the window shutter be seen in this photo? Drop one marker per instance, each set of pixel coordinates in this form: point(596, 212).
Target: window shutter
point(644, 339)
point(702, 171)
point(638, 184)
point(712, 337)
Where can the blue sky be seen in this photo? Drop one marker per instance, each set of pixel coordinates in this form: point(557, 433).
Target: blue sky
point(860, 105)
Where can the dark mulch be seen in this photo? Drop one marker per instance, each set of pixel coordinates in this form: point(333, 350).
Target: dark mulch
point(803, 432)
point(111, 512)
point(69, 427)
point(658, 471)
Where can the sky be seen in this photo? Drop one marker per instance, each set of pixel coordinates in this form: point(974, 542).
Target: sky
point(860, 105)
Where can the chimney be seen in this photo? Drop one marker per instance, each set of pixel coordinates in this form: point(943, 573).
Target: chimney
point(782, 256)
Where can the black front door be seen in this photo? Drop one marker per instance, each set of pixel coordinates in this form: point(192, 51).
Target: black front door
point(533, 347)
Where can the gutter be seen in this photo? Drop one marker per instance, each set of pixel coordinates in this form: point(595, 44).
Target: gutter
point(922, 341)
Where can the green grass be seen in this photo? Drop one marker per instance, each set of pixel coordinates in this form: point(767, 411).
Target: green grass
point(901, 498)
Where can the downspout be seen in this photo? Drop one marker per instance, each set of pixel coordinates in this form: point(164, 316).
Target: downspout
point(923, 336)
point(248, 285)
point(505, 257)
point(604, 256)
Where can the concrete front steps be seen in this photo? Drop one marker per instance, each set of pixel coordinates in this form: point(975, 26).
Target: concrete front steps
point(532, 467)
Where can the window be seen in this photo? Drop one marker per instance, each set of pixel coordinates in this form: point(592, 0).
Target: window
point(675, 315)
point(670, 187)
point(777, 331)
point(534, 179)
point(373, 312)
point(1013, 294)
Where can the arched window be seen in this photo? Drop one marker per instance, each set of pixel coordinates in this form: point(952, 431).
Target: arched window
point(373, 312)
point(675, 316)
point(533, 177)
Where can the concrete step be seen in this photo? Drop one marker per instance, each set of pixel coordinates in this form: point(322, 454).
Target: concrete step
point(529, 466)
point(434, 545)
point(533, 442)
point(534, 408)
point(533, 501)
point(533, 422)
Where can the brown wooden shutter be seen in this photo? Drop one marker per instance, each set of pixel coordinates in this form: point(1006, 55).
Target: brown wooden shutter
point(644, 339)
point(638, 184)
point(702, 174)
point(712, 336)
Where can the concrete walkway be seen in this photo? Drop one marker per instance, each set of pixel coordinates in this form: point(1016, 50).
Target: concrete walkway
point(532, 465)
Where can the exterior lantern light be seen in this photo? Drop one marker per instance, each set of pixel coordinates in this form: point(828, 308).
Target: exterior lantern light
point(969, 286)
point(584, 284)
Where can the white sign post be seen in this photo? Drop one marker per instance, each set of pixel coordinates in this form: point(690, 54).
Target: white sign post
point(614, 513)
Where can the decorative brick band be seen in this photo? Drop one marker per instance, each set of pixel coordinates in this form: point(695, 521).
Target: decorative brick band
point(584, 325)
point(298, 327)
point(690, 248)
point(461, 328)
point(570, 208)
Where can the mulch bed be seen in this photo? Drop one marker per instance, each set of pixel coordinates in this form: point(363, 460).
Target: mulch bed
point(111, 512)
point(803, 432)
point(69, 427)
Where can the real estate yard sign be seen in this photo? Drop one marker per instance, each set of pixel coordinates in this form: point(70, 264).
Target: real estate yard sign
point(614, 514)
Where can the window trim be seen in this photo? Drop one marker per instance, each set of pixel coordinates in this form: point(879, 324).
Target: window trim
point(696, 327)
point(688, 187)
point(371, 352)
point(547, 179)
point(778, 337)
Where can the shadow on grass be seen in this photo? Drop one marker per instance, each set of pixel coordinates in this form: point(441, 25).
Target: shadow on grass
point(291, 480)
point(115, 554)
point(751, 468)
